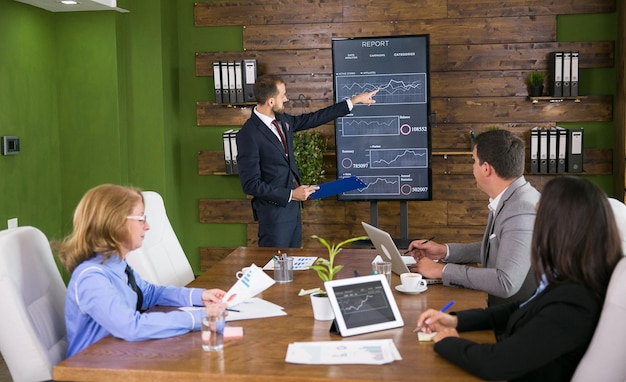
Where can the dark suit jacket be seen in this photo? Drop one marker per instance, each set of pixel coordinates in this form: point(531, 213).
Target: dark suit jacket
point(543, 341)
point(264, 170)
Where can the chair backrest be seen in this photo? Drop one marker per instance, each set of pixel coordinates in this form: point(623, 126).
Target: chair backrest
point(161, 259)
point(32, 324)
point(604, 359)
point(619, 210)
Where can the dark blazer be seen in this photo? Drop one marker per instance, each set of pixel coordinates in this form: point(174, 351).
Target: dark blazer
point(265, 172)
point(543, 341)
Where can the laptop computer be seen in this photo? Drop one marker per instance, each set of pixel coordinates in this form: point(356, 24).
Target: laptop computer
point(387, 250)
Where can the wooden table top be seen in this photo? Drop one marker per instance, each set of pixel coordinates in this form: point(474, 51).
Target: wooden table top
point(260, 354)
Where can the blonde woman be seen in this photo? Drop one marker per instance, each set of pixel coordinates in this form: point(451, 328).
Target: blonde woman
point(104, 295)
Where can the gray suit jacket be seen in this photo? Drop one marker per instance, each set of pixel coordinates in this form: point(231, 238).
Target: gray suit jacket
point(504, 252)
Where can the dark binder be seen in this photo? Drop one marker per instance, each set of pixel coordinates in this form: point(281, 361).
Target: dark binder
point(225, 91)
point(552, 150)
point(217, 81)
point(573, 83)
point(238, 82)
point(233, 151)
point(556, 69)
point(228, 158)
point(561, 163)
point(543, 151)
point(534, 150)
point(575, 150)
point(249, 78)
point(567, 70)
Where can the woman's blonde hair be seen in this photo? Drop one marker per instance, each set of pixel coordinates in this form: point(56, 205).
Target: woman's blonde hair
point(100, 224)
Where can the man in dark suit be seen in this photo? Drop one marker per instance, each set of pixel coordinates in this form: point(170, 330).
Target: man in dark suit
point(504, 252)
point(267, 167)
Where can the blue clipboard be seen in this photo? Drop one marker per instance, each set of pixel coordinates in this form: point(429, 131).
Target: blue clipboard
point(337, 187)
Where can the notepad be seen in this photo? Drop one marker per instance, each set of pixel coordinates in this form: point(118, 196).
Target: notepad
point(425, 337)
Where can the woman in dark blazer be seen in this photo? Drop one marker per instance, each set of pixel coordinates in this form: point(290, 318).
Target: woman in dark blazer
point(575, 247)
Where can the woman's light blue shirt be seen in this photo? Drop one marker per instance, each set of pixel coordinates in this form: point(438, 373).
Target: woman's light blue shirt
point(99, 302)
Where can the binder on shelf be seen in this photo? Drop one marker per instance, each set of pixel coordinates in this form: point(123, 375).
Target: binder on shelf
point(573, 83)
point(534, 150)
point(575, 150)
point(249, 78)
point(225, 81)
point(238, 82)
point(233, 151)
point(561, 163)
point(543, 151)
point(552, 150)
point(217, 81)
point(556, 82)
point(232, 92)
point(228, 159)
point(567, 70)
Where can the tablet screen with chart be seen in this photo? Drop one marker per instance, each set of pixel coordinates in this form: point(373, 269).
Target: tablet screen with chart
point(387, 144)
point(363, 304)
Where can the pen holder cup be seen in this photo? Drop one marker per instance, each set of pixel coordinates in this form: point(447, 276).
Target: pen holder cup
point(283, 270)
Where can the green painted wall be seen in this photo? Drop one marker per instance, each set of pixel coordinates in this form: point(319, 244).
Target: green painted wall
point(108, 97)
point(598, 27)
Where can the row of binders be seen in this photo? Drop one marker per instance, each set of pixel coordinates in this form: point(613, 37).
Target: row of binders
point(230, 151)
point(234, 81)
point(564, 74)
point(556, 150)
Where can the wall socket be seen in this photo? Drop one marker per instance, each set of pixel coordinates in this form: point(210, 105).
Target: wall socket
point(12, 223)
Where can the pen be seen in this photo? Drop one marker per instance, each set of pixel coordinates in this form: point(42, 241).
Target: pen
point(423, 242)
point(445, 307)
point(232, 310)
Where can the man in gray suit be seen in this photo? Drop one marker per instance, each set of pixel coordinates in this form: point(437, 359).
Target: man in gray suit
point(504, 252)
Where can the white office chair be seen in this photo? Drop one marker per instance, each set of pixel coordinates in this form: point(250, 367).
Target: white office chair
point(619, 210)
point(32, 324)
point(161, 259)
point(604, 359)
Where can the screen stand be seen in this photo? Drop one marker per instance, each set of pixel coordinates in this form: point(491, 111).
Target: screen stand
point(334, 328)
point(403, 241)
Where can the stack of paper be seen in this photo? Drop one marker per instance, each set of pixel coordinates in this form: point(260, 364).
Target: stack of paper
point(300, 263)
point(254, 308)
point(368, 352)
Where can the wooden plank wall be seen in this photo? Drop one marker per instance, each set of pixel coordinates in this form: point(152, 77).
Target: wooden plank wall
point(480, 55)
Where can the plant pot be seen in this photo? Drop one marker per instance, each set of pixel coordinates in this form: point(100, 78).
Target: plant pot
point(536, 90)
point(322, 310)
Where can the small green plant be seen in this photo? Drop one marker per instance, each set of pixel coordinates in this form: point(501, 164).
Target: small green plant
point(326, 268)
point(536, 78)
point(308, 152)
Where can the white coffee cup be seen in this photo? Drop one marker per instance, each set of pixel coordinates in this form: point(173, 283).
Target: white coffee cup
point(412, 281)
point(242, 272)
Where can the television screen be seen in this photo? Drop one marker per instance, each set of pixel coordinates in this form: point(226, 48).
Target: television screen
point(386, 145)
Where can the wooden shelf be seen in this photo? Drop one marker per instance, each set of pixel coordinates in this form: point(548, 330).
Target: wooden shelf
point(551, 99)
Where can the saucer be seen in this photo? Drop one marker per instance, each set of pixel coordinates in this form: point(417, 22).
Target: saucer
point(400, 288)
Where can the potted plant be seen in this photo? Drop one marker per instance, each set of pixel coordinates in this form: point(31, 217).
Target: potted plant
point(535, 83)
point(308, 151)
point(326, 270)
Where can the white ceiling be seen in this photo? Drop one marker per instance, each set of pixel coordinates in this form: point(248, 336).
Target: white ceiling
point(83, 5)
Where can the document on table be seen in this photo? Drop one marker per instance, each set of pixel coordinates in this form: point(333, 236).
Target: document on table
point(254, 308)
point(300, 263)
point(253, 282)
point(367, 352)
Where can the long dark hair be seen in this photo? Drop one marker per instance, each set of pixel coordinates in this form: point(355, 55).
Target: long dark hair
point(575, 238)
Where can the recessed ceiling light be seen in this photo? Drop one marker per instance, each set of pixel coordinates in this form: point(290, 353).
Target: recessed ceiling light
point(69, 2)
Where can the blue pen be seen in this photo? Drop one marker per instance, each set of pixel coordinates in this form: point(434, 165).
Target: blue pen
point(447, 306)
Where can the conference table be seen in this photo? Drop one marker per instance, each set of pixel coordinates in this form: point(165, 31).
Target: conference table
point(260, 354)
